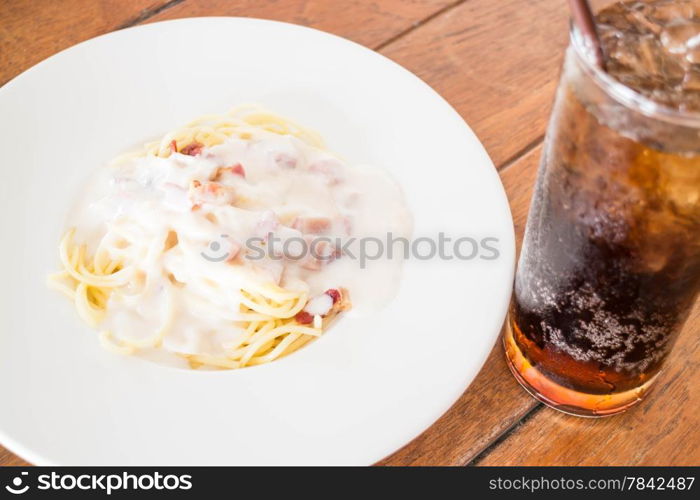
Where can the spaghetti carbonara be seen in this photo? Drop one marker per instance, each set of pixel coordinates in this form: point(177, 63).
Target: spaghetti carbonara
point(217, 246)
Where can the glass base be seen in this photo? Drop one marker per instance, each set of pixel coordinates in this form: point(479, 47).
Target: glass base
point(563, 398)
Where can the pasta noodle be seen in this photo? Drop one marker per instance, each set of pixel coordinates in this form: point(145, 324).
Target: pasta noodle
point(112, 273)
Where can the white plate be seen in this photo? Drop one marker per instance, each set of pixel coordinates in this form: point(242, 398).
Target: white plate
point(356, 395)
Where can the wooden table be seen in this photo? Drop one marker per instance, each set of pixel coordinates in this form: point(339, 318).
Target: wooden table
point(497, 63)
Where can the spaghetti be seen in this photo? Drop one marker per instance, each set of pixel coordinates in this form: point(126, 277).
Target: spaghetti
point(137, 272)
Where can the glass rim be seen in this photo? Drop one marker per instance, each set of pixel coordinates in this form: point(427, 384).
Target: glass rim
point(625, 95)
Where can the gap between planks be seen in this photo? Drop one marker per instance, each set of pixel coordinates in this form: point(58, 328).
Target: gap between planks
point(418, 24)
point(510, 431)
point(147, 14)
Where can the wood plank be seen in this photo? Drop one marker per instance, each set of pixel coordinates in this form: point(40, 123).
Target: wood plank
point(31, 31)
point(368, 22)
point(497, 63)
point(663, 430)
point(7, 458)
point(495, 401)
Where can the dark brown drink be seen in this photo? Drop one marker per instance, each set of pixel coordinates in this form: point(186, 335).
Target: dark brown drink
point(610, 265)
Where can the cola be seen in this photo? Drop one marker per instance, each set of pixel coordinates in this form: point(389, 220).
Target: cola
point(610, 265)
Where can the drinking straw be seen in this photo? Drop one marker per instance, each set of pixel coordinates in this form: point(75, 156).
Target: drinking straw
point(583, 19)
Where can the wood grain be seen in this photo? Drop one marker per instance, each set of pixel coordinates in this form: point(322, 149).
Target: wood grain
point(32, 30)
point(497, 63)
point(494, 402)
point(663, 430)
point(7, 458)
point(368, 22)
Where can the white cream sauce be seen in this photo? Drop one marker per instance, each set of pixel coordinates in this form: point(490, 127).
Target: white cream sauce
point(133, 208)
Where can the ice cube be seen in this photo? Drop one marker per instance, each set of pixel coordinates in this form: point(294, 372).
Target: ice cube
point(678, 36)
